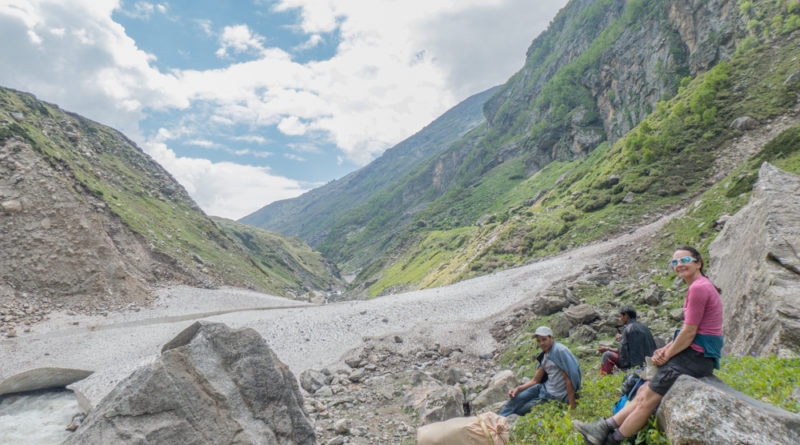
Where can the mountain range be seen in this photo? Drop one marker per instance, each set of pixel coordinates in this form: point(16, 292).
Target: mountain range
point(622, 111)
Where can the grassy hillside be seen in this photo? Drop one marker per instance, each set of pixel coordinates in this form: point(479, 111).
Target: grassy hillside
point(668, 158)
point(99, 162)
point(290, 264)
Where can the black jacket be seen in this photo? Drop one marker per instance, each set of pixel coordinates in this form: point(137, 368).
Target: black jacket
point(635, 344)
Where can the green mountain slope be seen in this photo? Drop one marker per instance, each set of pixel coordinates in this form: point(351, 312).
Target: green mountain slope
point(670, 156)
point(622, 111)
point(86, 199)
point(311, 215)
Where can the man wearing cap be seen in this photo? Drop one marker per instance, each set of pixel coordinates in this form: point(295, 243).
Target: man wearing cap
point(558, 377)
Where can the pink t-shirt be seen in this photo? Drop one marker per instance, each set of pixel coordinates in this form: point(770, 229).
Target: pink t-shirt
point(703, 307)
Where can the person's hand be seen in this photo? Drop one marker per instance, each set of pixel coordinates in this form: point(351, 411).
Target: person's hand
point(602, 349)
point(660, 356)
point(618, 336)
point(513, 392)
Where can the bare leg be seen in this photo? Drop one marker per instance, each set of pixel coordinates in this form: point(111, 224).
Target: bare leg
point(634, 416)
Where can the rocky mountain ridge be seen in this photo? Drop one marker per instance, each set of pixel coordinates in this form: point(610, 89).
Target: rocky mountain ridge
point(90, 222)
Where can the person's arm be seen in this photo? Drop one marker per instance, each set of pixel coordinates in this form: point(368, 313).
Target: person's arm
point(681, 342)
point(534, 381)
point(570, 390)
point(693, 313)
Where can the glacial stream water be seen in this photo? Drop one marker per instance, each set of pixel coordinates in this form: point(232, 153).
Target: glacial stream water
point(38, 418)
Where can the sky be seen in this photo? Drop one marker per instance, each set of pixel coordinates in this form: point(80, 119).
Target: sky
point(246, 102)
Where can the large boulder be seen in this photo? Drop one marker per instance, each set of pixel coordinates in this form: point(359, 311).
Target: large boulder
point(211, 385)
point(496, 391)
point(762, 306)
point(581, 314)
point(432, 400)
point(708, 411)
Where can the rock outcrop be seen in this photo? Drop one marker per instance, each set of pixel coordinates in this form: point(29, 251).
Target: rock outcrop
point(433, 400)
point(762, 306)
point(210, 385)
point(708, 411)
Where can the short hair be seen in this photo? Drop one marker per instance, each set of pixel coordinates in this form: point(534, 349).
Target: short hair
point(629, 311)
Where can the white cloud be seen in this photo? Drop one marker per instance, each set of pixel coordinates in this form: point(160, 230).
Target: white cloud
point(224, 188)
point(398, 66)
point(239, 39)
point(252, 138)
point(292, 126)
point(201, 143)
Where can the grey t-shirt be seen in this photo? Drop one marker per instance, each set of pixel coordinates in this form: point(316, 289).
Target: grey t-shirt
point(555, 385)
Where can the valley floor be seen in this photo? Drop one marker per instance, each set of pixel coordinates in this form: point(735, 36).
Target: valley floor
point(303, 336)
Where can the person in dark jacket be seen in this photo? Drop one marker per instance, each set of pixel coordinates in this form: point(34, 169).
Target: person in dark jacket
point(635, 343)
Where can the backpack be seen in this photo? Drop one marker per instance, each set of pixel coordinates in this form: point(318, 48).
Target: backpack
point(630, 385)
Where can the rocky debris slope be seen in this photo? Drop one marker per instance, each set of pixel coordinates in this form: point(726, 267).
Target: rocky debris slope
point(211, 384)
point(63, 249)
point(762, 306)
point(710, 412)
point(386, 391)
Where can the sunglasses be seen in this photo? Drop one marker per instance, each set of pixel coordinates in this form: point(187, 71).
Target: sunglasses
point(682, 260)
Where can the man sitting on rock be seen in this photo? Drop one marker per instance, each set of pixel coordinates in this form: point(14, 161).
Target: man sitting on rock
point(635, 343)
point(558, 377)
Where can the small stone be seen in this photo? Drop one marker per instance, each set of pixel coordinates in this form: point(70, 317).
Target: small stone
point(11, 206)
point(342, 426)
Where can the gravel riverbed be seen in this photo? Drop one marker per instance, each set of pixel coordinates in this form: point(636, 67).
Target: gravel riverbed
point(302, 335)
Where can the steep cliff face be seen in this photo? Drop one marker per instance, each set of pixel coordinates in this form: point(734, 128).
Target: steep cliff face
point(88, 220)
point(602, 66)
point(762, 306)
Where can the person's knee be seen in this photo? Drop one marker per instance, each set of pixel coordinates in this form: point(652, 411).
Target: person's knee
point(646, 398)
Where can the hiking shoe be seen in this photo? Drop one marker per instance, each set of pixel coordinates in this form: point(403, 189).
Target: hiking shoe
point(594, 433)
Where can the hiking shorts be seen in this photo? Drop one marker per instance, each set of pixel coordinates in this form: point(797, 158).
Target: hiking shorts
point(689, 362)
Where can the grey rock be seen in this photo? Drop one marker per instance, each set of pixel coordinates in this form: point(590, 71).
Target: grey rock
point(11, 206)
point(216, 386)
point(324, 391)
point(583, 334)
point(342, 426)
point(496, 391)
point(762, 306)
point(357, 375)
point(432, 400)
point(560, 324)
point(676, 314)
point(611, 181)
point(312, 380)
point(581, 314)
point(451, 375)
point(42, 378)
point(653, 296)
point(550, 303)
point(628, 198)
point(354, 362)
point(744, 123)
point(710, 412)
